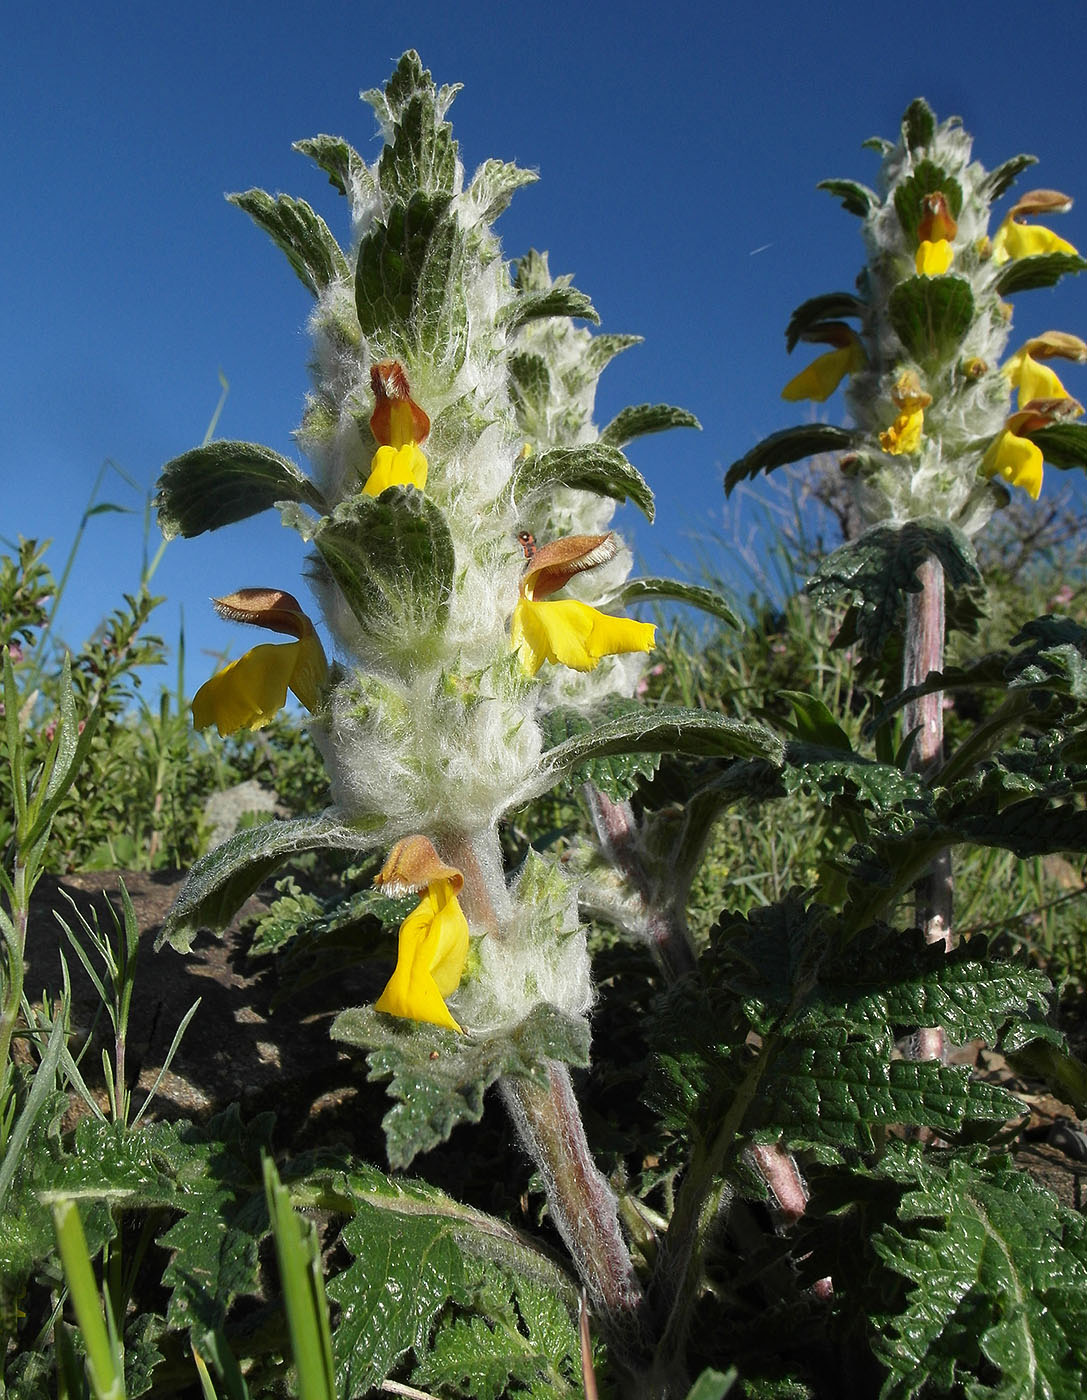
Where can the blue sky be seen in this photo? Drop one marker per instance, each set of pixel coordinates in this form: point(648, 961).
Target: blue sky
point(678, 150)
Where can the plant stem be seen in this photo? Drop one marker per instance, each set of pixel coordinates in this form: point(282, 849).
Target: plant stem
point(924, 653)
point(617, 831)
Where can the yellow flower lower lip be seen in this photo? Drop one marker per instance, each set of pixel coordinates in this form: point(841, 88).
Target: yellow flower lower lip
point(569, 633)
point(431, 953)
point(249, 692)
point(819, 380)
point(1017, 460)
point(904, 434)
point(396, 466)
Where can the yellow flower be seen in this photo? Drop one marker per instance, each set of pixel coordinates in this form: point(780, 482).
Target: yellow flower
point(935, 230)
point(933, 258)
point(1035, 381)
point(1015, 239)
point(820, 379)
point(399, 425)
point(433, 940)
point(248, 693)
point(904, 434)
point(1017, 460)
point(567, 632)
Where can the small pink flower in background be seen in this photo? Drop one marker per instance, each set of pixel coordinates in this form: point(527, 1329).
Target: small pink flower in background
point(1061, 598)
point(643, 683)
point(778, 648)
point(15, 651)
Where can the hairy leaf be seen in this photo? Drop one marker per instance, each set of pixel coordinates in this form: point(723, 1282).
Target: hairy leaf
point(930, 316)
point(665, 730)
point(345, 168)
point(555, 301)
point(615, 774)
point(1064, 445)
point(918, 125)
point(392, 557)
point(301, 233)
point(222, 482)
point(1004, 176)
point(439, 1077)
point(637, 590)
point(594, 467)
point(830, 306)
point(1040, 270)
point(788, 445)
point(221, 881)
point(634, 422)
point(494, 184)
point(856, 198)
point(927, 178)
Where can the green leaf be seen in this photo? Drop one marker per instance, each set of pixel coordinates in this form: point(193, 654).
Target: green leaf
point(225, 481)
point(435, 1277)
point(422, 154)
point(877, 570)
point(1041, 270)
point(918, 125)
point(638, 590)
point(999, 1275)
point(556, 301)
point(814, 722)
point(646, 418)
point(669, 729)
point(1064, 445)
point(220, 882)
point(409, 279)
point(830, 306)
point(713, 1385)
point(856, 198)
point(439, 1077)
point(594, 467)
point(494, 184)
point(530, 385)
point(616, 775)
point(300, 232)
point(931, 315)
point(788, 445)
point(1040, 1057)
point(392, 557)
point(604, 348)
point(345, 168)
point(927, 178)
point(878, 787)
point(1005, 175)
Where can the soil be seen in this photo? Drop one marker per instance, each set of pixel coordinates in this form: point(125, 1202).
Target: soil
point(242, 1047)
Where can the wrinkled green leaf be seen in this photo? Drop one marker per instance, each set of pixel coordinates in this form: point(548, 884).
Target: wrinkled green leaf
point(494, 184)
point(1064, 445)
point(877, 570)
point(830, 306)
point(392, 557)
point(220, 882)
point(1005, 175)
point(1041, 270)
point(646, 418)
point(615, 774)
point(225, 481)
point(594, 467)
point(999, 1289)
point(931, 315)
point(439, 1077)
point(637, 590)
point(927, 178)
point(788, 445)
point(300, 232)
point(918, 124)
point(345, 168)
point(555, 301)
point(856, 198)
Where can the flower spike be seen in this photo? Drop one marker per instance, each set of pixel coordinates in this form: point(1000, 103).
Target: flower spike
point(433, 940)
point(399, 425)
point(249, 692)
